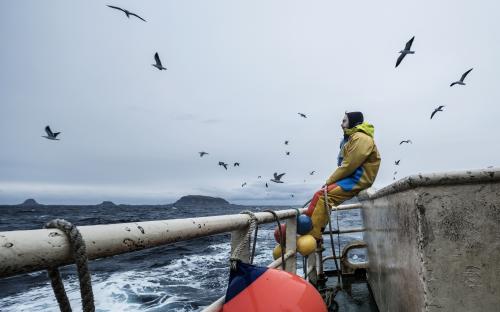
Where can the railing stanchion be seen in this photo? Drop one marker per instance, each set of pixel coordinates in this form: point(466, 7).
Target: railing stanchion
point(291, 244)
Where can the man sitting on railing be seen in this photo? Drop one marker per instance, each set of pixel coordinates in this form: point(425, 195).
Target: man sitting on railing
point(358, 164)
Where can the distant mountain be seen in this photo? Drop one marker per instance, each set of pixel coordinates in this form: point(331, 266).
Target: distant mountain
point(107, 204)
point(29, 202)
point(200, 200)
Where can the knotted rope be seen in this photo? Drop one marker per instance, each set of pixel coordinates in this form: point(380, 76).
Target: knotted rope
point(79, 252)
point(244, 242)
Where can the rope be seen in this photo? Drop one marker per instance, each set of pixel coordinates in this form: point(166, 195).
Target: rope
point(282, 242)
point(243, 245)
point(79, 253)
point(329, 212)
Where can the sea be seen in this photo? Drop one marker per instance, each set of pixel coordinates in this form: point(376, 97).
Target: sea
point(185, 276)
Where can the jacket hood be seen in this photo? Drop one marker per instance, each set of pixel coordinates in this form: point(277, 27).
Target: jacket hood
point(365, 127)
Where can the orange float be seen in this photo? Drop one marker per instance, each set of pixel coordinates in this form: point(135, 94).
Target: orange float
point(257, 289)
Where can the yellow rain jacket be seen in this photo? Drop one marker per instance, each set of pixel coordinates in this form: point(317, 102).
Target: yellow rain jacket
point(360, 160)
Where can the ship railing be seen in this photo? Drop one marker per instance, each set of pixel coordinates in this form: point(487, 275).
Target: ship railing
point(27, 251)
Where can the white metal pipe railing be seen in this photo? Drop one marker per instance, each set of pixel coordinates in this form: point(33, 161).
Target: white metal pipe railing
point(34, 250)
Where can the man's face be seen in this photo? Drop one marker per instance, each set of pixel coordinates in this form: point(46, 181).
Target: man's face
point(345, 122)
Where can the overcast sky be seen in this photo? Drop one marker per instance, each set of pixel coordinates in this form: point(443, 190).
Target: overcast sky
point(238, 73)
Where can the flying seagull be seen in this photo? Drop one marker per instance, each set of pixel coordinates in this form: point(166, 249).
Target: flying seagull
point(461, 81)
point(202, 154)
point(286, 142)
point(302, 115)
point(395, 172)
point(292, 196)
point(267, 185)
point(405, 141)
point(439, 109)
point(397, 162)
point(127, 12)
point(287, 153)
point(158, 62)
point(236, 164)
point(51, 135)
point(277, 178)
point(259, 177)
point(312, 172)
point(244, 184)
point(406, 50)
point(223, 164)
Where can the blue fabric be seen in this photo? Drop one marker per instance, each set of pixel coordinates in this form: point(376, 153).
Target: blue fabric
point(339, 157)
point(348, 183)
point(240, 279)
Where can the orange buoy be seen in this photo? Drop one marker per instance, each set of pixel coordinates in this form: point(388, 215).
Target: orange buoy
point(257, 289)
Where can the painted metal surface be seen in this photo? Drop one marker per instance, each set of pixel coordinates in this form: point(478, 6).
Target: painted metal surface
point(434, 242)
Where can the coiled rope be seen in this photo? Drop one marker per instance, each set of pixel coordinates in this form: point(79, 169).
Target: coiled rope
point(79, 253)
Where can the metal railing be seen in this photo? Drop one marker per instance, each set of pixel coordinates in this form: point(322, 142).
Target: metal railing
point(35, 250)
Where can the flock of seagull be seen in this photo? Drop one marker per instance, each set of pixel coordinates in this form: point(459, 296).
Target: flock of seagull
point(407, 50)
point(276, 178)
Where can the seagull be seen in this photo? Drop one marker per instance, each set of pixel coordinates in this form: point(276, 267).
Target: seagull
point(461, 81)
point(397, 162)
point(395, 172)
point(302, 115)
point(202, 154)
point(292, 196)
point(407, 50)
point(127, 12)
point(158, 62)
point(405, 141)
point(286, 142)
point(312, 172)
point(267, 185)
point(244, 184)
point(287, 153)
point(439, 109)
point(277, 178)
point(51, 135)
point(236, 164)
point(223, 164)
point(259, 177)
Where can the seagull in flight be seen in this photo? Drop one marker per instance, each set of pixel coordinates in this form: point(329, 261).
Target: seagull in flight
point(287, 153)
point(223, 164)
point(461, 81)
point(259, 177)
point(277, 178)
point(397, 162)
point(202, 154)
point(405, 141)
point(439, 109)
point(286, 142)
point(302, 115)
point(236, 164)
point(312, 172)
point(127, 12)
point(267, 185)
point(244, 184)
point(51, 135)
point(406, 50)
point(158, 62)
point(292, 196)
